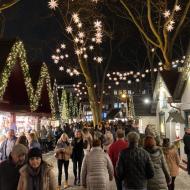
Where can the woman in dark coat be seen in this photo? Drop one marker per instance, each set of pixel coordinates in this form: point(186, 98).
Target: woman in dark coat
point(78, 155)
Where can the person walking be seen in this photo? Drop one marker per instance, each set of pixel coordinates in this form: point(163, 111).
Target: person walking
point(22, 140)
point(97, 169)
point(9, 169)
point(161, 176)
point(7, 145)
point(43, 138)
point(78, 154)
point(63, 151)
point(36, 174)
point(186, 140)
point(134, 166)
point(33, 141)
point(172, 159)
point(114, 151)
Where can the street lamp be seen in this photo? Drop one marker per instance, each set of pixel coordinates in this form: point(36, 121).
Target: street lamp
point(147, 101)
point(124, 98)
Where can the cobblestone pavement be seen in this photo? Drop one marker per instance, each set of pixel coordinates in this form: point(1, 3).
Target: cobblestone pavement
point(182, 181)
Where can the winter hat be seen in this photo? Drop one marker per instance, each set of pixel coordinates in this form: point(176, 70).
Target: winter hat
point(19, 150)
point(34, 152)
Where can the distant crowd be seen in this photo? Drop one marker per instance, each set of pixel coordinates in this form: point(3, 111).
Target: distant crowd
point(99, 154)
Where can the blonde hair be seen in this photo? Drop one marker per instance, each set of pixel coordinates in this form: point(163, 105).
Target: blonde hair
point(64, 135)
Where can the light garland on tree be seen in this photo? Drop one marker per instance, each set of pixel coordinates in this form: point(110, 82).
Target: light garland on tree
point(60, 57)
point(169, 18)
point(64, 111)
point(71, 105)
point(17, 51)
point(44, 79)
point(84, 41)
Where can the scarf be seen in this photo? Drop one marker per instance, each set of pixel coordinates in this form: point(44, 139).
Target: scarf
point(35, 178)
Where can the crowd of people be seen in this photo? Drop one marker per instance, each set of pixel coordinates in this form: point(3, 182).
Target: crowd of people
point(99, 155)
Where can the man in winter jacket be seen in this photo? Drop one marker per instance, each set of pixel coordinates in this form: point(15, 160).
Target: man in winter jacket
point(9, 169)
point(7, 145)
point(114, 151)
point(134, 166)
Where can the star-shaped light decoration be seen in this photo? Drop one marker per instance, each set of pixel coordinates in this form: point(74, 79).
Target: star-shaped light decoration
point(79, 25)
point(81, 34)
point(99, 59)
point(61, 68)
point(98, 40)
point(75, 17)
point(166, 13)
point(76, 40)
point(170, 27)
point(177, 8)
point(69, 29)
point(172, 22)
point(97, 24)
point(53, 4)
point(91, 47)
point(63, 46)
point(85, 56)
point(77, 52)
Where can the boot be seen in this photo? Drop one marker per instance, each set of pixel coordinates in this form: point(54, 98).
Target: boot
point(66, 184)
point(75, 181)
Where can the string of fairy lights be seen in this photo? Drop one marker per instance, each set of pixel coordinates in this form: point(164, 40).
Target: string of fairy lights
point(82, 49)
point(18, 51)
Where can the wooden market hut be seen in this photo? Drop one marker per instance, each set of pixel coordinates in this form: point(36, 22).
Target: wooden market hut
point(42, 82)
point(15, 86)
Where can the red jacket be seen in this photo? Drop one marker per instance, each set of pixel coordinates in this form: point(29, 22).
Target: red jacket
point(115, 149)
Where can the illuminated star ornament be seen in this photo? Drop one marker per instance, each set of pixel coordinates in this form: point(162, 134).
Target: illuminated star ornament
point(53, 4)
point(69, 29)
point(166, 13)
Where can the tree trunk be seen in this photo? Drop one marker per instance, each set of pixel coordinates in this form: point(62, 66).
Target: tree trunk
point(94, 104)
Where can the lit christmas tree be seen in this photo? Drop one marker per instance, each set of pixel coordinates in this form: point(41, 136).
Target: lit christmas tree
point(64, 107)
point(71, 106)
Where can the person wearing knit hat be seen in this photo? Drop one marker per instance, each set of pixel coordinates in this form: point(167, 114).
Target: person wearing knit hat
point(36, 174)
point(9, 169)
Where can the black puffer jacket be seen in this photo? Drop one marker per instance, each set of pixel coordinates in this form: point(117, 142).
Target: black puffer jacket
point(186, 140)
point(9, 175)
point(134, 167)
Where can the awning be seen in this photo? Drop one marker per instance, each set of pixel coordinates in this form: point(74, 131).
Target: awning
point(175, 117)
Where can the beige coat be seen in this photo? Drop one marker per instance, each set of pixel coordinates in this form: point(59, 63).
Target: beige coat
point(48, 179)
point(63, 151)
point(97, 170)
point(172, 159)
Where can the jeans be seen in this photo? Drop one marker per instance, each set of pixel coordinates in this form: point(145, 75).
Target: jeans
point(172, 185)
point(77, 162)
point(118, 183)
point(60, 164)
point(188, 163)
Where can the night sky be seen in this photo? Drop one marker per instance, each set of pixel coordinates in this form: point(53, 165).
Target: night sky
point(33, 22)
